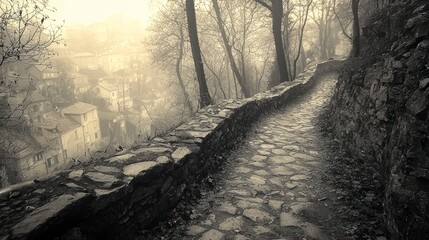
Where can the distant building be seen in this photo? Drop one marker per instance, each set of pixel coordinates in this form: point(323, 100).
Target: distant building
point(22, 154)
point(86, 60)
point(70, 132)
point(109, 93)
point(86, 115)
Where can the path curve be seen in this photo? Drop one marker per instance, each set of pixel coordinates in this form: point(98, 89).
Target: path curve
point(271, 187)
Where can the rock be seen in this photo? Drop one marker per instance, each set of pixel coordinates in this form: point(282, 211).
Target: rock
point(46, 213)
point(245, 204)
point(261, 173)
point(40, 191)
point(282, 171)
point(241, 237)
point(283, 159)
point(257, 180)
point(258, 158)
point(267, 146)
point(288, 220)
point(163, 159)
point(275, 205)
point(180, 153)
point(417, 103)
point(194, 230)
point(106, 169)
point(72, 185)
point(75, 175)
point(213, 235)
point(257, 215)
point(243, 170)
point(228, 208)
point(291, 186)
point(277, 181)
point(299, 177)
point(152, 150)
point(259, 230)
point(264, 153)
point(107, 180)
point(120, 158)
point(135, 168)
point(232, 223)
point(424, 83)
point(278, 151)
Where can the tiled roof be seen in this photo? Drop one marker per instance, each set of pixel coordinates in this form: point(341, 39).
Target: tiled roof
point(79, 108)
point(53, 120)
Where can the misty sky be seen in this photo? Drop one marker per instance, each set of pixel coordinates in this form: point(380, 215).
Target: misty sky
point(88, 11)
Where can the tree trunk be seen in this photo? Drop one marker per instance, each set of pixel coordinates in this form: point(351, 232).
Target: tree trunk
point(228, 49)
point(356, 29)
point(205, 99)
point(277, 14)
point(187, 101)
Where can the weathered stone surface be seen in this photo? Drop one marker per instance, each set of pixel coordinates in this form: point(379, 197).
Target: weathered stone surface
point(180, 153)
point(48, 212)
point(194, 230)
point(299, 177)
point(152, 150)
point(107, 169)
point(75, 175)
point(228, 208)
point(135, 168)
point(257, 215)
point(275, 205)
point(213, 235)
point(257, 180)
point(105, 179)
point(232, 223)
point(260, 230)
point(120, 158)
point(258, 158)
point(289, 220)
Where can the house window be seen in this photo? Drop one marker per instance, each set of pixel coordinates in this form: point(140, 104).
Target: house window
point(95, 125)
point(38, 157)
point(53, 161)
point(85, 117)
point(96, 135)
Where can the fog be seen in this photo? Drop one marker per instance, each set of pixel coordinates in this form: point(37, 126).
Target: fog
point(82, 80)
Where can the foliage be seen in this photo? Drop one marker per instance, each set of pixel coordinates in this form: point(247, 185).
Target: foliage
point(27, 31)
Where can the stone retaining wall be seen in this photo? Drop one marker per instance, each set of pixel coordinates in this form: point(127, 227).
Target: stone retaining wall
point(115, 197)
point(381, 111)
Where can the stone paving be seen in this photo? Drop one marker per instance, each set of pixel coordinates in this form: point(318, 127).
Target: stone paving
point(271, 186)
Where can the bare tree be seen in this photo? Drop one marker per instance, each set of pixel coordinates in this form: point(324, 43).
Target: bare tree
point(168, 45)
point(356, 29)
point(27, 31)
point(276, 9)
point(301, 35)
point(205, 99)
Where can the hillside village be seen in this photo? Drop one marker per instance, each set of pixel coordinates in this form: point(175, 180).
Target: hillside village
point(75, 104)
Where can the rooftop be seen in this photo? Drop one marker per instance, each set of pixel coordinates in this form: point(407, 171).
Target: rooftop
point(54, 120)
point(79, 108)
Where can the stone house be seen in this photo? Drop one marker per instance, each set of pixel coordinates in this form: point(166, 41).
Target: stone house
point(87, 116)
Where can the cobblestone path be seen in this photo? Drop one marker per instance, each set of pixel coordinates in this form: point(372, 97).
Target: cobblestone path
point(271, 187)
